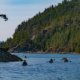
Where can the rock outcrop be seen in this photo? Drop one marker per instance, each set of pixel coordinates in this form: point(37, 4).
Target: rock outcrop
point(7, 57)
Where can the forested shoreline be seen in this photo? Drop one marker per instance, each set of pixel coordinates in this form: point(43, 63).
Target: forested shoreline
point(57, 29)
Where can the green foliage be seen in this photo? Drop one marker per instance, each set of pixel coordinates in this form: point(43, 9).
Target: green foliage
point(57, 29)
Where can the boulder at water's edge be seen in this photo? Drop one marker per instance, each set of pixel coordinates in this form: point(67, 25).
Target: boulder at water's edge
point(7, 57)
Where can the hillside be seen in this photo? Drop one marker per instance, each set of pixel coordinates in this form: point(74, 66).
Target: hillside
point(57, 29)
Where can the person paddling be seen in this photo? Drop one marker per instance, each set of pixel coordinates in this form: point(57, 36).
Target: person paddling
point(65, 59)
point(24, 63)
point(51, 60)
point(25, 56)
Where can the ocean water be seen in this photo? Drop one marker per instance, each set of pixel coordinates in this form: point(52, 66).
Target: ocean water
point(39, 69)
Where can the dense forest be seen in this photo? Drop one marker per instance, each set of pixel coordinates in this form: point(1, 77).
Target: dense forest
point(57, 29)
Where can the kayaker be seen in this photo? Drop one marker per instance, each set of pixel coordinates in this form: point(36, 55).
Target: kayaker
point(24, 63)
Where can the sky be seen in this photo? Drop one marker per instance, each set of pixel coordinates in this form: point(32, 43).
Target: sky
point(18, 11)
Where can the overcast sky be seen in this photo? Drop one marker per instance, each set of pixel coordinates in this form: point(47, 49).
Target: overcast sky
point(18, 11)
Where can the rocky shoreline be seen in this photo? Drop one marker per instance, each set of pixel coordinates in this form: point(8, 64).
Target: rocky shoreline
point(7, 57)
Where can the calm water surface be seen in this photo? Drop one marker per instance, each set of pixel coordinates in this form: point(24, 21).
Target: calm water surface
point(39, 69)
